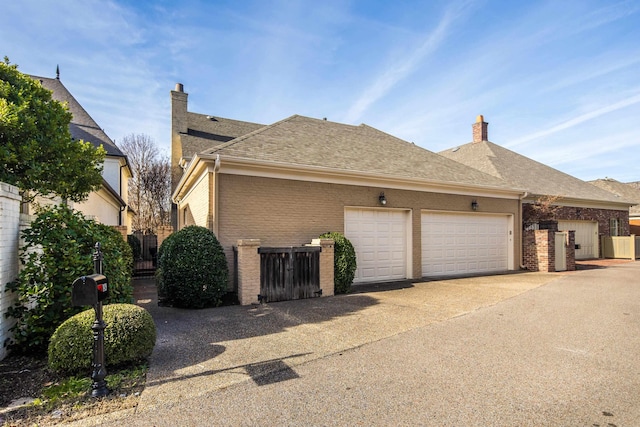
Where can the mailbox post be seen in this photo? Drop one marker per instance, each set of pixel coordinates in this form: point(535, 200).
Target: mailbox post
point(99, 385)
point(91, 290)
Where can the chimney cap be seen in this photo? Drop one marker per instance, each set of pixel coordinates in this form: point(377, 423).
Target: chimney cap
point(179, 87)
point(480, 118)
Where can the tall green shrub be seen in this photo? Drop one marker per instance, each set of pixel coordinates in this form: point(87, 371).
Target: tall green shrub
point(345, 264)
point(58, 249)
point(192, 269)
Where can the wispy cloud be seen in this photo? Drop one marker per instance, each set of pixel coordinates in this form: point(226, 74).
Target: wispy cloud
point(399, 71)
point(577, 120)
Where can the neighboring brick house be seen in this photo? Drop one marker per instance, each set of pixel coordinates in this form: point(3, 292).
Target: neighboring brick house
point(589, 210)
point(108, 205)
point(408, 211)
point(627, 191)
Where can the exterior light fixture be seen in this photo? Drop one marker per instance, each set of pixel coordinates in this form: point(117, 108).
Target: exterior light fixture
point(474, 205)
point(382, 199)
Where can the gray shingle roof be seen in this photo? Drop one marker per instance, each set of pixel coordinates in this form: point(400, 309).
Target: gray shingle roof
point(205, 132)
point(522, 172)
point(306, 141)
point(625, 191)
point(82, 126)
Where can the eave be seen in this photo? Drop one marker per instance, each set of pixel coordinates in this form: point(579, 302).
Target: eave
point(277, 170)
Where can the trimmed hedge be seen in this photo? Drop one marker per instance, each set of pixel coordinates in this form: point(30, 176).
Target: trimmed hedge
point(345, 264)
point(192, 269)
point(58, 249)
point(129, 337)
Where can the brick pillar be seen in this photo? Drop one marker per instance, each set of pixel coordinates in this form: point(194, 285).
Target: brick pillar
point(539, 250)
point(123, 230)
point(571, 251)
point(248, 271)
point(162, 233)
point(327, 284)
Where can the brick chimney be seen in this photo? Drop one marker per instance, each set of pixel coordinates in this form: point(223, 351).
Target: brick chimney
point(480, 129)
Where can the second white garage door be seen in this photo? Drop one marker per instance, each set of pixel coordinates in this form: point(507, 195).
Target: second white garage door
point(379, 237)
point(454, 243)
point(586, 237)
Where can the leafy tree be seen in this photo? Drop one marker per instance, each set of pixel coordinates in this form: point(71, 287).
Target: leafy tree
point(544, 208)
point(58, 249)
point(37, 152)
point(150, 186)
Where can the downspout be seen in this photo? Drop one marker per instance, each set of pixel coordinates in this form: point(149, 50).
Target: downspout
point(216, 168)
point(122, 208)
point(520, 211)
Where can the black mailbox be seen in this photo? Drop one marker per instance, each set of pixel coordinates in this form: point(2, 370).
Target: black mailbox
point(88, 290)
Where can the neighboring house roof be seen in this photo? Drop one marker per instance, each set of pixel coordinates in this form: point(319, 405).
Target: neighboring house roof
point(205, 132)
point(520, 171)
point(82, 126)
point(113, 193)
point(628, 191)
point(305, 141)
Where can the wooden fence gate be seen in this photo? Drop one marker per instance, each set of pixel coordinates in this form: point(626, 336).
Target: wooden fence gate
point(289, 273)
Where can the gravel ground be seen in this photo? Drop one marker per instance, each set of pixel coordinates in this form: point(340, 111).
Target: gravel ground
point(525, 349)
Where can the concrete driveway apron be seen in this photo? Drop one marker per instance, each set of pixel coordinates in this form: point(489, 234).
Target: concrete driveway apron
point(475, 351)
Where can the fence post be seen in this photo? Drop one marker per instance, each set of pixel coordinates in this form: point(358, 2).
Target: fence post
point(326, 265)
point(632, 247)
point(248, 271)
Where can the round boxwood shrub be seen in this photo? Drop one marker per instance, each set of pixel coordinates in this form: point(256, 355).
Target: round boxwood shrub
point(344, 264)
point(192, 269)
point(129, 337)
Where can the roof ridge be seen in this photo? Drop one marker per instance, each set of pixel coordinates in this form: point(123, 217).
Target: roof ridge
point(250, 134)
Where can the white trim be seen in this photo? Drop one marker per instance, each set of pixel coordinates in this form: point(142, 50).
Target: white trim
point(583, 203)
point(278, 170)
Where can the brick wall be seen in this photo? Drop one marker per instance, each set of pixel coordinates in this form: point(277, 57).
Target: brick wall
point(292, 213)
point(602, 216)
point(9, 262)
point(200, 206)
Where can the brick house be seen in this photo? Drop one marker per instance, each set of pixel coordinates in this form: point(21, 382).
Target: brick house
point(627, 191)
point(409, 212)
point(588, 210)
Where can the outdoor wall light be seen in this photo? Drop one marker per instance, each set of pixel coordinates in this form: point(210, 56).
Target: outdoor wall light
point(474, 205)
point(382, 199)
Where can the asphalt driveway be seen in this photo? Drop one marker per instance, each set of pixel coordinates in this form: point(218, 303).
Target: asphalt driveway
point(522, 349)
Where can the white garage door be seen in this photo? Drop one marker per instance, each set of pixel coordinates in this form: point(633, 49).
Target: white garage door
point(379, 237)
point(455, 243)
point(586, 237)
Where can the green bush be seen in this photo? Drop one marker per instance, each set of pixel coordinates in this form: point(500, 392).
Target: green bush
point(192, 269)
point(129, 337)
point(136, 247)
point(58, 249)
point(344, 267)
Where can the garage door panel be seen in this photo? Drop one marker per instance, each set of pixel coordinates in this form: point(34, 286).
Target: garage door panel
point(586, 237)
point(380, 241)
point(464, 243)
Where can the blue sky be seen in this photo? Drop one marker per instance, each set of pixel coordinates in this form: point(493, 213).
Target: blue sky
point(558, 81)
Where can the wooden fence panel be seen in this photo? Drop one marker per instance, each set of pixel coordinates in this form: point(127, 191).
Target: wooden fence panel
point(289, 273)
